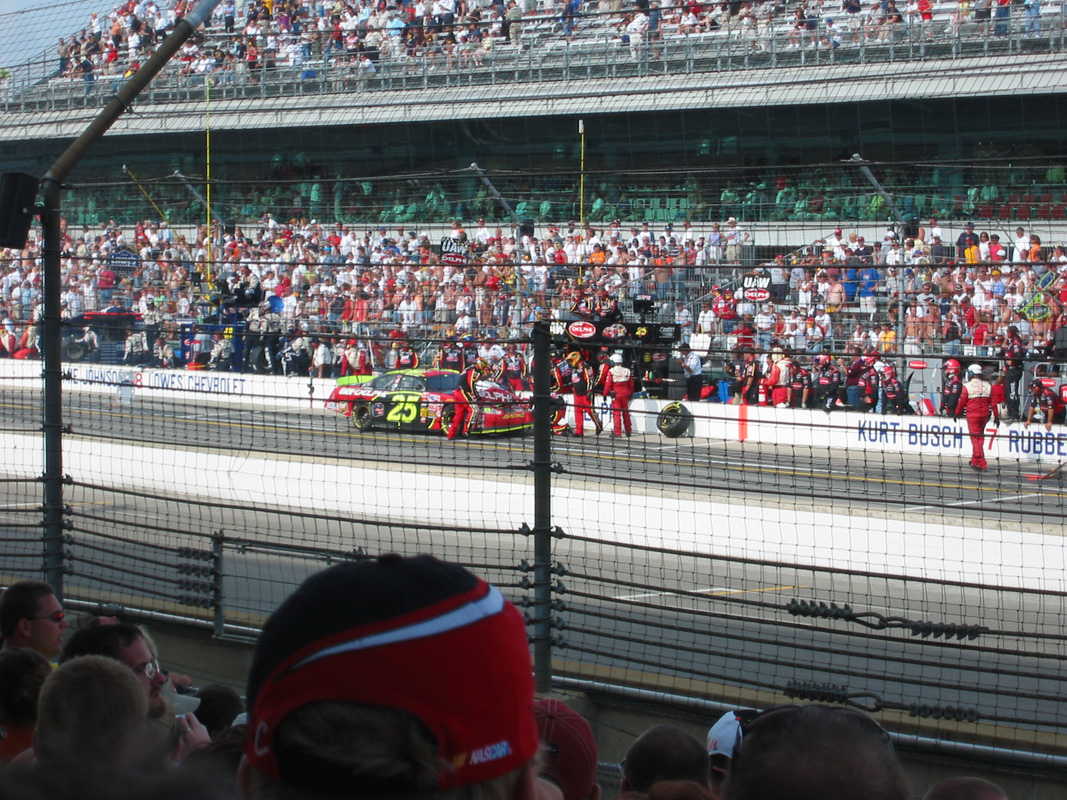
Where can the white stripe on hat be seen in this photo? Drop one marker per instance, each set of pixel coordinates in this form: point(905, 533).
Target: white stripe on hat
point(474, 611)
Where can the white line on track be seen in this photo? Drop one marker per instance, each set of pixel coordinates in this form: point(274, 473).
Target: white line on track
point(960, 504)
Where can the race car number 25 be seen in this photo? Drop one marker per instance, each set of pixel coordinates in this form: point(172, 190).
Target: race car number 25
point(403, 411)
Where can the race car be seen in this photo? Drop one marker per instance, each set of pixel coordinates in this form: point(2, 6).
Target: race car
point(422, 400)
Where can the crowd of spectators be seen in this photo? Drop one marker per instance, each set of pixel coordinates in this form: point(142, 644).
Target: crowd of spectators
point(334, 283)
point(388, 677)
point(243, 42)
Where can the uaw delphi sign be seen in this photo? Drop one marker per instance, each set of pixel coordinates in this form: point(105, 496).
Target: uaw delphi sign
point(453, 253)
point(756, 286)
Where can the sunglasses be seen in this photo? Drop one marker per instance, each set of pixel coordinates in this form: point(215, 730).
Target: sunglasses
point(750, 721)
point(56, 617)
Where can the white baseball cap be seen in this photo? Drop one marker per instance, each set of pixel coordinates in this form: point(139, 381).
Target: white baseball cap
point(723, 735)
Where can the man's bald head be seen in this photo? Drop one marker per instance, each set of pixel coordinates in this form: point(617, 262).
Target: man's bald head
point(665, 753)
point(965, 789)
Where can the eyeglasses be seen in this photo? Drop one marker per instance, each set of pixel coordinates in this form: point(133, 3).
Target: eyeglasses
point(56, 617)
point(150, 669)
point(750, 719)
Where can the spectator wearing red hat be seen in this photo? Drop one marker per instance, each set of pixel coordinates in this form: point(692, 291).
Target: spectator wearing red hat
point(392, 677)
point(568, 750)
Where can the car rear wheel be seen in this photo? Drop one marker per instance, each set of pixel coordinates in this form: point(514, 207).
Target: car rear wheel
point(447, 415)
point(361, 417)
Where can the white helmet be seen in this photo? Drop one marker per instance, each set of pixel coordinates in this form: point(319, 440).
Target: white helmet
point(974, 369)
point(616, 359)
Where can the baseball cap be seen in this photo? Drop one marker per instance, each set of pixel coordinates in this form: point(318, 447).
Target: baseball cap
point(568, 748)
point(722, 736)
point(415, 633)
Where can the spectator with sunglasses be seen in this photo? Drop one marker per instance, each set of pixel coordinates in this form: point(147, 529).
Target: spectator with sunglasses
point(31, 618)
point(794, 752)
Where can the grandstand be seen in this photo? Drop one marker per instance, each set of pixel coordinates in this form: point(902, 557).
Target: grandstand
point(748, 116)
point(801, 554)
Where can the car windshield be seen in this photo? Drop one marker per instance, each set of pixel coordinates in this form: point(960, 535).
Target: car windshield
point(383, 382)
point(411, 383)
point(442, 382)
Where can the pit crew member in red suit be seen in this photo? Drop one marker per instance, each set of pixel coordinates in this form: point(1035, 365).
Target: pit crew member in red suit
point(582, 378)
point(976, 400)
point(619, 386)
point(465, 395)
point(513, 370)
point(1045, 406)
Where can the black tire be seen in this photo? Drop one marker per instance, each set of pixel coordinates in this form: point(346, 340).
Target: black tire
point(361, 417)
point(75, 351)
point(674, 420)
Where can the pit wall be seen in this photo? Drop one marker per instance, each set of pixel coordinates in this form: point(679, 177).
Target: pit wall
point(844, 430)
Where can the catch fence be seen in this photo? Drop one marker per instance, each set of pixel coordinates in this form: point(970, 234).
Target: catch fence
point(724, 553)
point(736, 570)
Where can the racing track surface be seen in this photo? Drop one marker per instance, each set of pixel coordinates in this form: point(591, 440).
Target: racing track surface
point(695, 629)
point(850, 482)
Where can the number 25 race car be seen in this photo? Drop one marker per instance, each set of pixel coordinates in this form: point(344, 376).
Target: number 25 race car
point(422, 400)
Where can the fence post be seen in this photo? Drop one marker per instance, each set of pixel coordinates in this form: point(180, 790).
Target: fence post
point(218, 542)
point(52, 346)
point(542, 527)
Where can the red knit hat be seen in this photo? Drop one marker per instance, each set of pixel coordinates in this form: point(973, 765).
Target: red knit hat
point(411, 633)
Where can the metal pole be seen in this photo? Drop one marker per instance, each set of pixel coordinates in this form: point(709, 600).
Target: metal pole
point(542, 527)
point(52, 334)
point(200, 198)
point(52, 352)
point(511, 213)
point(581, 190)
point(858, 160)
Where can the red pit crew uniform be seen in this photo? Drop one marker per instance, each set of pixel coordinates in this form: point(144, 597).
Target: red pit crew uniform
point(778, 382)
point(450, 357)
point(581, 385)
point(465, 395)
point(513, 371)
point(976, 398)
point(561, 385)
point(619, 385)
point(406, 358)
point(950, 397)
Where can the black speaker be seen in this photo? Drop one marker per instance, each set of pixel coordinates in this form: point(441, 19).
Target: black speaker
point(230, 227)
point(18, 192)
point(526, 228)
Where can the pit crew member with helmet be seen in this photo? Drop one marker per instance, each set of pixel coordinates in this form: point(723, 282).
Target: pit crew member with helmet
point(406, 357)
point(828, 389)
point(896, 399)
point(450, 356)
point(952, 385)
point(513, 370)
point(582, 377)
point(801, 394)
point(465, 395)
point(1045, 406)
point(779, 378)
point(619, 386)
point(561, 385)
point(976, 398)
